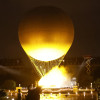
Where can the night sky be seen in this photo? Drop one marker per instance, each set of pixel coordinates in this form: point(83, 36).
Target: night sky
point(85, 15)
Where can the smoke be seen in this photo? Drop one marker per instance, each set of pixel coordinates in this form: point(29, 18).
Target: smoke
point(11, 71)
point(85, 62)
point(57, 77)
point(67, 81)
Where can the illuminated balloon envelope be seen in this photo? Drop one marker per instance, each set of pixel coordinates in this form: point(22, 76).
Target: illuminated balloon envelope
point(46, 34)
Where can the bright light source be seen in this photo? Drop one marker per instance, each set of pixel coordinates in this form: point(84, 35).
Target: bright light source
point(56, 78)
point(84, 93)
point(60, 94)
point(91, 92)
point(7, 97)
point(51, 94)
point(68, 93)
point(46, 36)
point(76, 93)
point(46, 52)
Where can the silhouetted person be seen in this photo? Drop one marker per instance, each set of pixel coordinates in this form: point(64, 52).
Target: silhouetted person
point(34, 94)
point(19, 95)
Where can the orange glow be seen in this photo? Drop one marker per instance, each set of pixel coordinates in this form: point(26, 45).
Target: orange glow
point(46, 52)
point(55, 78)
point(46, 33)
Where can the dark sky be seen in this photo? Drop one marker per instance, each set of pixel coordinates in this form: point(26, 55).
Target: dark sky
point(84, 13)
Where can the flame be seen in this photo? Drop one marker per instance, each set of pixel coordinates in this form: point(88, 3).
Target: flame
point(55, 78)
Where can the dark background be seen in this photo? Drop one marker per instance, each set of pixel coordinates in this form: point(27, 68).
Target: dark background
point(85, 15)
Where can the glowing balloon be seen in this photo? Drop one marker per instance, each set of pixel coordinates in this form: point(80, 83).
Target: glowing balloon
point(46, 34)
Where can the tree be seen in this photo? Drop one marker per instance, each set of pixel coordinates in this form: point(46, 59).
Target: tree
point(9, 84)
point(2, 93)
point(97, 82)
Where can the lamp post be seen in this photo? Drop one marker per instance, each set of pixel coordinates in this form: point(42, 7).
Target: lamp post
point(91, 85)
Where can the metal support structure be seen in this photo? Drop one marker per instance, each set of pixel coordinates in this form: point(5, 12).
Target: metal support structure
point(88, 62)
